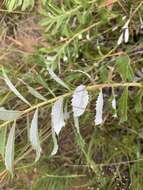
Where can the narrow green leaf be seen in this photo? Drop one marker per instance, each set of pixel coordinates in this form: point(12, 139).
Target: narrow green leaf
point(57, 116)
point(13, 89)
point(99, 109)
point(123, 106)
point(26, 4)
point(3, 132)
point(124, 68)
point(57, 79)
point(35, 93)
point(41, 80)
point(9, 152)
point(11, 5)
point(34, 137)
point(55, 148)
point(44, 2)
point(8, 115)
point(18, 3)
point(138, 101)
point(76, 123)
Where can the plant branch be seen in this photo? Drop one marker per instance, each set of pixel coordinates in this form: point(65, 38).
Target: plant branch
point(89, 88)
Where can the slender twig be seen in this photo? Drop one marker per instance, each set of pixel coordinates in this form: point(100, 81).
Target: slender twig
point(89, 88)
point(110, 164)
point(64, 176)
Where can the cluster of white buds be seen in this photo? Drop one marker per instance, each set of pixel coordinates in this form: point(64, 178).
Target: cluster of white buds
point(124, 37)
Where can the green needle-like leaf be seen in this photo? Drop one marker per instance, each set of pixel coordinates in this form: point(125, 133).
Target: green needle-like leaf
point(123, 106)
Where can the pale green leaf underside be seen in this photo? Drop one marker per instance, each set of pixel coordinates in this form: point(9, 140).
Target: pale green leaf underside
point(9, 115)
point(99, 109)
point(80, 100)
point(55, 148)
point(58, 116)
point(9, 152)
point(34, 137)
point(3, 132)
